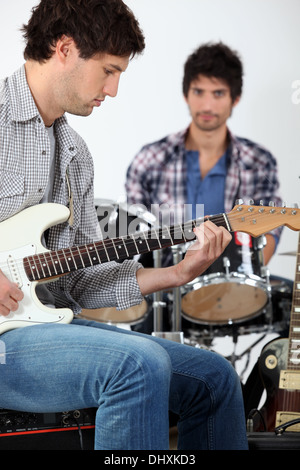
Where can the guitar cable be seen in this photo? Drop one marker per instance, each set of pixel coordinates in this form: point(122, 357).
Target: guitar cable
point(281, 429)
point(251, 415)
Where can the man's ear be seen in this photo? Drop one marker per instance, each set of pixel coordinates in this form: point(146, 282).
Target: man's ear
point(64, 47)
point(236, 101)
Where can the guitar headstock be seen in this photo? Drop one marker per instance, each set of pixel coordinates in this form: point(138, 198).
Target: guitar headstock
point(257, 220)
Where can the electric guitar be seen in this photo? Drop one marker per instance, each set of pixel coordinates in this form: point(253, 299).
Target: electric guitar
point(279, 365)
point(25, 260)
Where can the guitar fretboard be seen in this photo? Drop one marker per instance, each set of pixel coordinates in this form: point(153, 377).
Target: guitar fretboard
point(294, 336)
point(56, 263)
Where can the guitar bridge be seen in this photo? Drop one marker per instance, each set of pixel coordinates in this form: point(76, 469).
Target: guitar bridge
point(289, 380)
point(283, 417)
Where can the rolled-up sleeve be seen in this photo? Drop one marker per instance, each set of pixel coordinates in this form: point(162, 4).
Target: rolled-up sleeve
point(109, 285)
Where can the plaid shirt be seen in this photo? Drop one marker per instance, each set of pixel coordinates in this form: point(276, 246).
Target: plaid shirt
point(157, 176)
point(24, 173)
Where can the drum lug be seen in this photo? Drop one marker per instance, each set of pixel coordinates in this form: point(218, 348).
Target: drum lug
point(226, 264)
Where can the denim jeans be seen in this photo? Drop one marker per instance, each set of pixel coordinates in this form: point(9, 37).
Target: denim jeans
point(132, 379)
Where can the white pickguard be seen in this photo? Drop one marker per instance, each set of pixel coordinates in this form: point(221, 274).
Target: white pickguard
point(20, 236)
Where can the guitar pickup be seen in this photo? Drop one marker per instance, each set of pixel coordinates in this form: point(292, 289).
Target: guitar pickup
point(289, 380)
point(283, 417)
point(14, 272)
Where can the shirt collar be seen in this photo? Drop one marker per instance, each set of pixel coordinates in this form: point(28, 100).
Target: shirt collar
point(23, 107)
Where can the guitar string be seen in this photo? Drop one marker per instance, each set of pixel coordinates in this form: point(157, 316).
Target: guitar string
point(108, 244)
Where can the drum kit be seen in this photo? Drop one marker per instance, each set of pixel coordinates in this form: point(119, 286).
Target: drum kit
point(235, 296)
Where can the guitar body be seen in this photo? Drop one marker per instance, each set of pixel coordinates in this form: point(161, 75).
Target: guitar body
point(21, 236)
point(279, 365)
point(279, 403)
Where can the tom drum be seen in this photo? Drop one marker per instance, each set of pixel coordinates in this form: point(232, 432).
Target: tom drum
point(234, 289)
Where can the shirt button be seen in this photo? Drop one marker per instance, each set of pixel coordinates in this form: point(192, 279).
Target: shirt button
point(71, 149)
point(44, 152)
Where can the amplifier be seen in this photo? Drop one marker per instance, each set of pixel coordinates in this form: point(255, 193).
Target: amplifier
point(70, 430)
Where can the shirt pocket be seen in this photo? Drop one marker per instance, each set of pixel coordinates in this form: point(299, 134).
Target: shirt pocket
point(11, 184)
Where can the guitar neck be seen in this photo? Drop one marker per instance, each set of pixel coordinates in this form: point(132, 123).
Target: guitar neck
point(294, 335)
point(56, 263)
point(254, 220)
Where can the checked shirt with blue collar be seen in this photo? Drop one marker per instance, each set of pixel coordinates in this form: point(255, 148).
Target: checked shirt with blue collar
point(158, 175)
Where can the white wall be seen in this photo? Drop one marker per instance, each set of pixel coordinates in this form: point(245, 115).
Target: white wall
point(150, 104)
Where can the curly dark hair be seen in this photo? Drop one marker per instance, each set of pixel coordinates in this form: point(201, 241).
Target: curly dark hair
point(215, 60)
point(96, 26)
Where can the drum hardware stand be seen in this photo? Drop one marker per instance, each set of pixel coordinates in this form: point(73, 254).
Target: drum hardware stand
point(247, 351)
point(176, 334)
point(176, 313)
point(158, 304)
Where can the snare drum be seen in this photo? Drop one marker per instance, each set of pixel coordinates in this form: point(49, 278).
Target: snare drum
point(130, 316)
point(235, 288)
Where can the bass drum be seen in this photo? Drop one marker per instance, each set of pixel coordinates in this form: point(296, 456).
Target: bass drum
point(115, 220)
point(234, 289)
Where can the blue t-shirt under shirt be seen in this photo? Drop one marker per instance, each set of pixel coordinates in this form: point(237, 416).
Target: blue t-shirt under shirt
point(208, 191)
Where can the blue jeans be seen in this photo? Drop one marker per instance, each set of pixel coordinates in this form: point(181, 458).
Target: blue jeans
point(132, 379)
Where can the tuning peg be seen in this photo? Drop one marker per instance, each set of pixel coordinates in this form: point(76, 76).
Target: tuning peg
point(295, 205)
point(261, 202)
point(283, 210)
point(251, 202)
point(272, 204)
point(239, 201)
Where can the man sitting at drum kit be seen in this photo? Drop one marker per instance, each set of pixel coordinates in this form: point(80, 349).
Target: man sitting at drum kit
point(75, 53)
point(203, 170)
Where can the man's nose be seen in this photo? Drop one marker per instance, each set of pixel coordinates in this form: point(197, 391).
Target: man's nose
point(111, 87)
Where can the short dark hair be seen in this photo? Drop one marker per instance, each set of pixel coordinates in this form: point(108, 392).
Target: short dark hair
point(96, 26)
point(215, 60)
